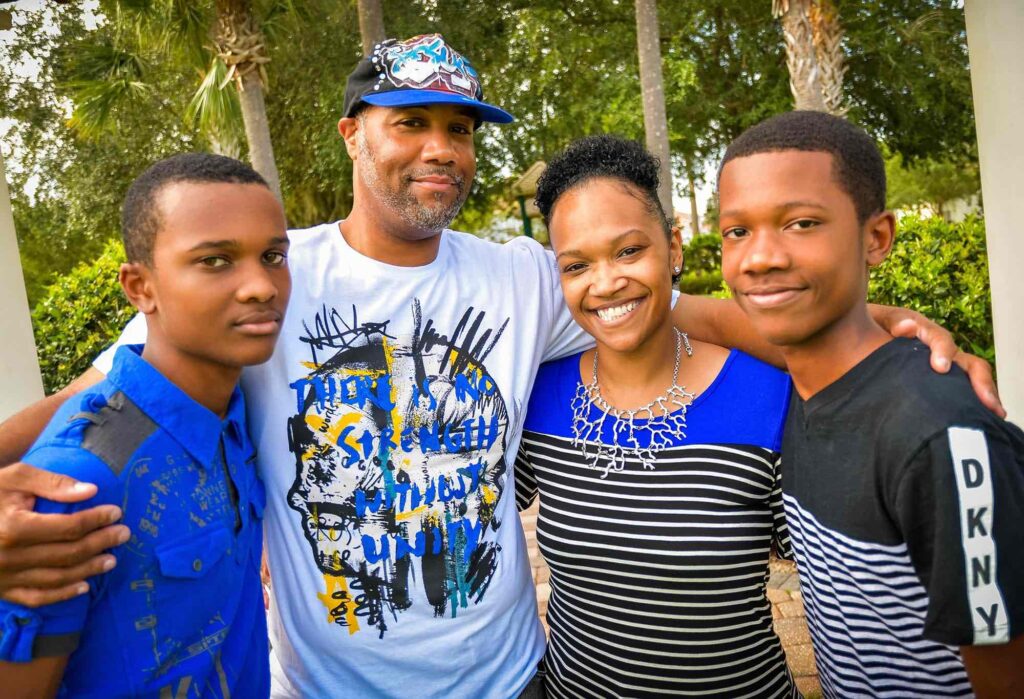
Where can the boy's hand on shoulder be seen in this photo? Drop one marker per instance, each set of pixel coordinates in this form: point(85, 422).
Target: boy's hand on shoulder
point(902, 322)
point(46, 558)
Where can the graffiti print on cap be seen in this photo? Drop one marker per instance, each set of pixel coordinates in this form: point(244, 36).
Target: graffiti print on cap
point(427, 63)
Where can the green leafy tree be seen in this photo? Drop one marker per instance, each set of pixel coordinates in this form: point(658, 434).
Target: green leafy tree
point(221, 41)
point(565, 68)
point(910, 84)
point(653, 91)
point(67, 191)
point(935, 183)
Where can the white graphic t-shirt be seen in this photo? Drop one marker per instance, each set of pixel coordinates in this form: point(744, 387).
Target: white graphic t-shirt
point(386, 426)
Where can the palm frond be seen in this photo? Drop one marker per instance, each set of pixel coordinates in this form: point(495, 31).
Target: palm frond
point(96, 102)
point(280, 19)
point(188, 28)
point(138, 6)
point(214, 108)
point(99, 76)
point(89, 61)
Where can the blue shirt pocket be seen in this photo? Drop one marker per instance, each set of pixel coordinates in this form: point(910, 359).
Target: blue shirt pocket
point(195, 557)
point(184, 602)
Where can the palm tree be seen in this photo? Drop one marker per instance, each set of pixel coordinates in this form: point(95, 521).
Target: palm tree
point(692, 196)
point(221, 41)
point(814, 53)
point(828, 48)
point(240, 46)
point(371, 24)
point(648, 41)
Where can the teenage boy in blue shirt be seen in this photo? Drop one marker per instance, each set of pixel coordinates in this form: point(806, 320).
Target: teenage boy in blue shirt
point(164, 437)
point(904, 496)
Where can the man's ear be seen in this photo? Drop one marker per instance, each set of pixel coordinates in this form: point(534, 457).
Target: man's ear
point(348, 127)
point(137, 282)
point(879, 235)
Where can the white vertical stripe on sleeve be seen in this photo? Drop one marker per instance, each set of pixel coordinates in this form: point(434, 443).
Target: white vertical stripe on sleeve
point(974, 487)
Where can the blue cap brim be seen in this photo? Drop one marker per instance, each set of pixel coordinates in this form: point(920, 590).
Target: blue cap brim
point(418, 98)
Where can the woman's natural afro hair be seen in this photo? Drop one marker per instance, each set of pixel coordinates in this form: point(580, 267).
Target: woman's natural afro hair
point(596, 157)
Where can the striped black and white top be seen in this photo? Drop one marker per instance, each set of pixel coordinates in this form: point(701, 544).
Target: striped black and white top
point(905, 500)
point(866, 606)
point(658, 575)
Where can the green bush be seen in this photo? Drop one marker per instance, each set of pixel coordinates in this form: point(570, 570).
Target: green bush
point(702, 265)
point(81, 314)
point(702, 283)
point(941, 270)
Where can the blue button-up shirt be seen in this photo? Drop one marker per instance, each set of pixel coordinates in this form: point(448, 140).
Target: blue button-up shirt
point(182, 613)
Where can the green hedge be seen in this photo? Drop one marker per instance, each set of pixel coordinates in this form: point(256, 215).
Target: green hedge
point(941, 270)
point(81, 314)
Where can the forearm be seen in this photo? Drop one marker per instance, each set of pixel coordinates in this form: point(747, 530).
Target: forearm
point(19, 431)
point(996, 671)
point(38, 679)
point(722, 322)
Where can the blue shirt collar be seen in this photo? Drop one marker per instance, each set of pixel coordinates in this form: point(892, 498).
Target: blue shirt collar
point(190, 424)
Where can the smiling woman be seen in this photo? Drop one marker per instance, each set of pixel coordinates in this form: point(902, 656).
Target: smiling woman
point(655, 459)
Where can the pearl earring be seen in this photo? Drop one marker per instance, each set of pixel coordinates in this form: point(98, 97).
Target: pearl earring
point(675, 270)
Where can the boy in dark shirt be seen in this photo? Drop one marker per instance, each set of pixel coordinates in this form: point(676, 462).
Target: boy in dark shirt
point(904, 496)
point(164, 437)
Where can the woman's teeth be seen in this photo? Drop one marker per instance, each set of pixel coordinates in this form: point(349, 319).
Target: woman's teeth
point(616, 312)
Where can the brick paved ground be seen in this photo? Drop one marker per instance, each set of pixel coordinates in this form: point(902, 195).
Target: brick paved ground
point(783, 592)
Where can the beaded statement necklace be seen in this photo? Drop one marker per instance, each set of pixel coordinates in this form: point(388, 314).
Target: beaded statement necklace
point(664, 421)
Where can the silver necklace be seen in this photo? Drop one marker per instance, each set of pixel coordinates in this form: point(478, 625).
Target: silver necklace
point(664, 421)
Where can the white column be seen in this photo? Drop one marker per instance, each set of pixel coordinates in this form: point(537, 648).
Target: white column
point(994, 37)
point(20, 382)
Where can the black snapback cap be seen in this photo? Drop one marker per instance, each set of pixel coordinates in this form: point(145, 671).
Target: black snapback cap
point(418, 71)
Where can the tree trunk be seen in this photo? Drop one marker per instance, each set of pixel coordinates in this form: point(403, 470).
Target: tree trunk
point(828, 48)
point(801, 56)
point(371, 24)
point(694, 216)
point(652, 85)
point(240, 43)
point(257, 131)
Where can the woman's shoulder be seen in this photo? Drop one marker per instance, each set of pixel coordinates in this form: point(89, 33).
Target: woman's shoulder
point(752, 368)
point(718, 365)
point(746, 403)
point(754, 381)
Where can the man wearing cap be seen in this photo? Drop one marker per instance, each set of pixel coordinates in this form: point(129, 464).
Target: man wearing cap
point(385, 418)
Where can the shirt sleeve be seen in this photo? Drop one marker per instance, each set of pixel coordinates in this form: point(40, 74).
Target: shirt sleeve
point(55, 629)
point(133, 334)
point(780, 532)
point(960, 507)
point(565, 336)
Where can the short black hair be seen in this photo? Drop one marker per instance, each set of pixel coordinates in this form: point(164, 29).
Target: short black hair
point(857, 165)
point(140, 216)
point(603, 156)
